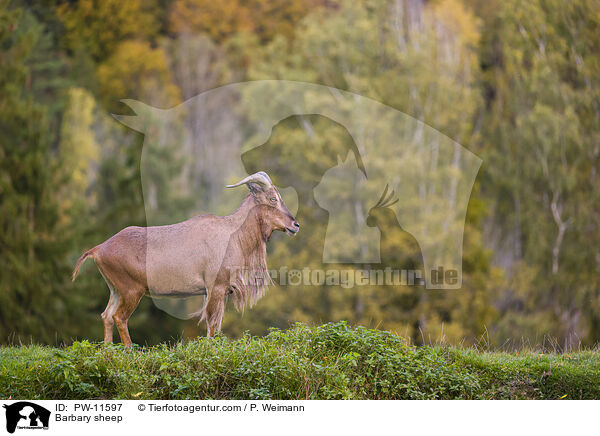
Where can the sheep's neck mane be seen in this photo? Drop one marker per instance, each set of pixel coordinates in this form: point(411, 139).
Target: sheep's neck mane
point(253, 232)
point(248, 216)
point(251, 277)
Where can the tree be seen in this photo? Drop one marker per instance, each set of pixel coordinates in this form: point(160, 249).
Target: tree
point(223, 19)
point(137, 71)
point(542, 150)
point(35, 298)
point(99, 26)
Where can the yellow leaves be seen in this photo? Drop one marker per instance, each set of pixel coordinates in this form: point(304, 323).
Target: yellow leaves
point(218, 19)
point(455, 32)
point(137, 71)
point(98, 26)
point(224, 18)
point(79, 151)
point(458, 19)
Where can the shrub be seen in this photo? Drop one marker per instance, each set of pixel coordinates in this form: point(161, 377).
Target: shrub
point(332, 361)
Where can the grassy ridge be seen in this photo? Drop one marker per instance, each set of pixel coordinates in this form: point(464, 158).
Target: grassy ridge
point(331, 361)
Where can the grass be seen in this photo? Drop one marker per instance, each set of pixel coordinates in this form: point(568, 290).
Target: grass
point(332, 361)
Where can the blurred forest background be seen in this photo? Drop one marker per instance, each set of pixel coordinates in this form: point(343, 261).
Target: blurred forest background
point(521, 80)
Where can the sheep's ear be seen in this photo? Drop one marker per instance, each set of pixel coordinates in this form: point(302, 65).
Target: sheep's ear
point(255, 188)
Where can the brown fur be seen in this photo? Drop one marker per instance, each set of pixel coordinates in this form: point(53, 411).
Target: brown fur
point(205, 255)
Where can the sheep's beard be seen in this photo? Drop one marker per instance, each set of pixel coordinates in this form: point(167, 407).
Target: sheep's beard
point(249, 281)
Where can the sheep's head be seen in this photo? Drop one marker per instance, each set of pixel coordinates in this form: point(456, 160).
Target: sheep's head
point(267, 196)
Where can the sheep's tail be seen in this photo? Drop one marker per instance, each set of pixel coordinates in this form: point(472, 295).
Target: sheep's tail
point(82, 259)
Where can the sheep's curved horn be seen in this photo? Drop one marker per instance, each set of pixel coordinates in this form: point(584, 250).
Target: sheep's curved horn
point(261, 178)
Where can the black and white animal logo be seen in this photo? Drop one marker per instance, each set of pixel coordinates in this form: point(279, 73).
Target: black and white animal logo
point(26, 415)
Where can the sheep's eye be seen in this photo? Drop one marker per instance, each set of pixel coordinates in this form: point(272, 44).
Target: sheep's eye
point(273, 199)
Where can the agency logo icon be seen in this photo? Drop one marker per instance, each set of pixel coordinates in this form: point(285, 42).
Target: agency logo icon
point(26, 415)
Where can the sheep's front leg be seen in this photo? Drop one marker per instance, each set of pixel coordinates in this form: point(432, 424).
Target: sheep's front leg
point(214, 310)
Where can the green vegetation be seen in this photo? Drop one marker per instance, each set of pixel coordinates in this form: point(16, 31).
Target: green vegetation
point(516, 82)
point(333, 361)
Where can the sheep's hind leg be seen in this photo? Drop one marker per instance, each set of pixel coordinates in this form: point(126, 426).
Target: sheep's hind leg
point(107, 315)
